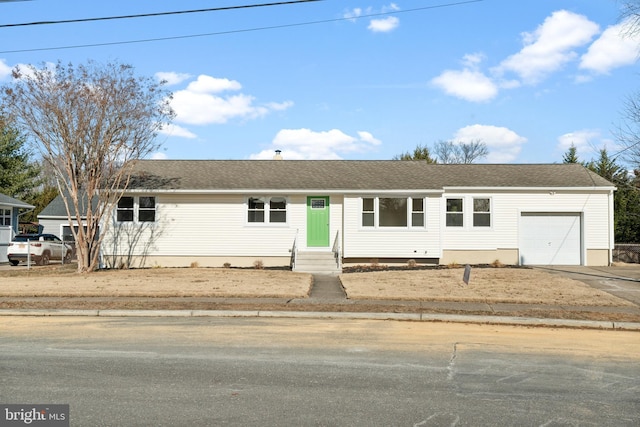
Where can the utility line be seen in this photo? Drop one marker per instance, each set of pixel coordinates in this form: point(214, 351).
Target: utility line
point(146, 15)
point(246, 30)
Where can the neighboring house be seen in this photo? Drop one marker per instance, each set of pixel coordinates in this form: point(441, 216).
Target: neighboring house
point(212, 212)
point(53, 219)
point(10, 208)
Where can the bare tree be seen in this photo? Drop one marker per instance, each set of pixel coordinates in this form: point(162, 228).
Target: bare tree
point(631, 14)
point(460, 152)
point(89, 123)
point(628, 134)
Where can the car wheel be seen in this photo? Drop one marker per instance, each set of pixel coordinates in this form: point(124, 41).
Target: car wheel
point(14, 262)
point(67, 258)
point(44, 260)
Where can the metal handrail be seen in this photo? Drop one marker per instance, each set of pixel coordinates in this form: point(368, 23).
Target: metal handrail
point(336, 250)
point(294, 252)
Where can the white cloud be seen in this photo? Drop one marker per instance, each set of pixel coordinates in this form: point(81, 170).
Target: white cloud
point(470, 85)
point(202, 103)
point(583, 140)
point(208, 84)
point(298, 144)
point(368, 137)
point(550, 46)
point(159, 156)
point(352, 14)
point(503, 144)
point(616, 47)
point(172, 78)
point(178, 131)
point(391, 8)
point(384, 25)
point(5, 70)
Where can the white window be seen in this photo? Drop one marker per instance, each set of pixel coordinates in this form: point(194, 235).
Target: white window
point(455, 214)
point(398, 212)
point(141, 209)
point(482, 212)
point(267, 210)
point(417, 212)
point(5, 217)
point(368, 212)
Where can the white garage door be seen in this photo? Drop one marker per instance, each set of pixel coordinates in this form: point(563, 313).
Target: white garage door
point(550, 239)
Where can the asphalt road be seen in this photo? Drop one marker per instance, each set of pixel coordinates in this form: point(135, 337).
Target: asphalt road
point(306, 372)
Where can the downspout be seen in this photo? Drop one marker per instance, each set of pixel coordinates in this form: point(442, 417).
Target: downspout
point(612, 242)
point(14, 229)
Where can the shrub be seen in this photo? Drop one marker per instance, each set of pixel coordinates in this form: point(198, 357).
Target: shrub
point(412, 263)
point(258, 264)
point(194, 264)
point(226, 265)
point(497, 264)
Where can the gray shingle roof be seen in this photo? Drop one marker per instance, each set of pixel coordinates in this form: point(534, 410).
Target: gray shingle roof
point(10, 201)
point(56, 207)
point(352, 175)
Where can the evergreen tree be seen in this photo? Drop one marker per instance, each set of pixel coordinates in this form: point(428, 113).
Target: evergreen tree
point(571, 156)
point(19, 177)
point(421, 152)
point(626, 199)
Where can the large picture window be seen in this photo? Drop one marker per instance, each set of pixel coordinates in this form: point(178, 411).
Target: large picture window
point(400, 212)
point(267, 210)
point(140, 209)
point(393, 212)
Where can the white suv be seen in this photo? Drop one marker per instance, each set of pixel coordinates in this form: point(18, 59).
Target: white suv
point(43, 247)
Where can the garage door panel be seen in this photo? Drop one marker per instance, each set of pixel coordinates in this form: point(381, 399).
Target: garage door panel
point(550, 239)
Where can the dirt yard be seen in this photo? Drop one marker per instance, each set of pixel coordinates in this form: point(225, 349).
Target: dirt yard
point(490, 285)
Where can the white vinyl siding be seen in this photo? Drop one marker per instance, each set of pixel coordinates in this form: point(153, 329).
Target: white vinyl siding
point(506, 209)
point(216, 225)
point(362, 241)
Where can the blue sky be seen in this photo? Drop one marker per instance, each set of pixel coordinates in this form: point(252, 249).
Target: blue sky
point(343, 79)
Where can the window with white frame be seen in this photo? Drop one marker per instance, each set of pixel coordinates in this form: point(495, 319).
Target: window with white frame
point(399, 212)
point(417, 212)
point(277, 209)
point(267, 210)
point(482, 212)
point(368, 212)
point(5, 217)
point(140, 209)
point(455, 214)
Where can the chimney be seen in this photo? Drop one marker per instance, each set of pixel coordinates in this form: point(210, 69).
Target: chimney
point(278, 156)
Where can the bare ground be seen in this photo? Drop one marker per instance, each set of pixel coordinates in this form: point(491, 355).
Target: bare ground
point(56, 287)
point(490, 285)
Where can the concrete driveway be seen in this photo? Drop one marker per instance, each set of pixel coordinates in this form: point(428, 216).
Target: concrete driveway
point(621, 281)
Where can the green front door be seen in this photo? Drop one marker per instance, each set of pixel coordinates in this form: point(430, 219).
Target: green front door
point(318, 221)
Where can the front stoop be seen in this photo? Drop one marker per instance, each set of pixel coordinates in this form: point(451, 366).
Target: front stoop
point(316, 263)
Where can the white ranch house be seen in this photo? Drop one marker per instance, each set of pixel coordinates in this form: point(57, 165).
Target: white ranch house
point(212, 212)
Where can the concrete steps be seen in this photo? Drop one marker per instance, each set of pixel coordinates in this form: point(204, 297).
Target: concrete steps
point(316, 263)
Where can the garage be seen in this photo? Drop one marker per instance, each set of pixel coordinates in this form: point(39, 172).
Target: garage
point(550, 238)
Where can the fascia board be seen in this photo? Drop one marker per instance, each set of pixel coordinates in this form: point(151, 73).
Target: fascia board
point(497, 189)
point(283, 191)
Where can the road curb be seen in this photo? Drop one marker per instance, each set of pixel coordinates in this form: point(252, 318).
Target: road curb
point(416, 317)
